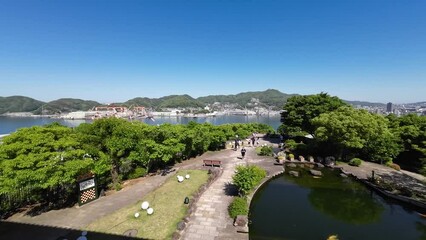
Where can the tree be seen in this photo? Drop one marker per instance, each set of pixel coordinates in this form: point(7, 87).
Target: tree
point(41, 164)
point(300, 110)
point(411, 133)
point(352, 130)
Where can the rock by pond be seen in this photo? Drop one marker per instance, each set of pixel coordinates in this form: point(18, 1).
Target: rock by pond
point(315, 172)
point(294, 173)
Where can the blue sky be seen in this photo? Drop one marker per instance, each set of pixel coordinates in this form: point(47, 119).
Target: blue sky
point(108, 51)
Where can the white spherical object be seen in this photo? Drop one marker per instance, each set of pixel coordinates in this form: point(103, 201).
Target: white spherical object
point(187, 176)
point(136, 215)
point(150, 211)
point(178, 176)
point(180, 179)
point(145, 205)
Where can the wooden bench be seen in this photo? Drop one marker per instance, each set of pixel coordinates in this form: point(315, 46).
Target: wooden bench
point(212, 163)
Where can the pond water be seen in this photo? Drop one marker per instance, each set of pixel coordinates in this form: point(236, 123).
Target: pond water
point(314, 208)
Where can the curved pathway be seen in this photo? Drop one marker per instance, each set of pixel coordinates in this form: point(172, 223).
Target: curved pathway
point(210, 219)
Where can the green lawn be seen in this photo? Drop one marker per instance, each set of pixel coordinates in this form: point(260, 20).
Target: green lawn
point(167, 202)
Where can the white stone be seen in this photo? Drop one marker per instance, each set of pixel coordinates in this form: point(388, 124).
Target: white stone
point(187, 176)
point(150, 211)
point(136, 215)
point(145, 205)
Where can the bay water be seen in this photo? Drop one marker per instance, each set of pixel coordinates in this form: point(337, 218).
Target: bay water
point(11, 124)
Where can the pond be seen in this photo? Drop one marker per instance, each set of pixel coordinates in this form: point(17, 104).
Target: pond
point(309, 208)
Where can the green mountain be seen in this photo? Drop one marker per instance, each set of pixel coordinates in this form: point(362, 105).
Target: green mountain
point(139, 101)
point(270, 97)
point(364, 104)
point(18, 104)
point(65, 105)
point(172, 101)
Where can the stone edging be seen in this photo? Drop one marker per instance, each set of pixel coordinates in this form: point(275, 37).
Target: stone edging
point(394, 196)
point(383, 192)
point(214, 175)
point(250, 196)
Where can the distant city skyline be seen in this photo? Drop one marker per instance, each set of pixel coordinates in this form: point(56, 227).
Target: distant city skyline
point(112, 51)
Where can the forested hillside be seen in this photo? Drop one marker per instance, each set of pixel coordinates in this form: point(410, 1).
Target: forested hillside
point(270, 97)
point(65, 105)
point(18, 104)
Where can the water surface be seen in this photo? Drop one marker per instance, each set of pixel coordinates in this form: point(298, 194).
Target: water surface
point(11, 124)
point(309, 208)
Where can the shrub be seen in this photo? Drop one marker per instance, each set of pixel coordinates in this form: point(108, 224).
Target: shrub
point(393, 165)
point(138, 172)
point(237, 207)
point(290, 144)
point(291, 156)
point(247, 178)
point(355, 162)
point(266, 151)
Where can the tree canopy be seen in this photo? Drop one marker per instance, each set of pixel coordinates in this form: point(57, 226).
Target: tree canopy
point(359, 131)
point(300, 110)
point(42, 164)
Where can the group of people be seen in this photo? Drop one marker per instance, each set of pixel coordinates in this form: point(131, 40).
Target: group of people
point(251, 141)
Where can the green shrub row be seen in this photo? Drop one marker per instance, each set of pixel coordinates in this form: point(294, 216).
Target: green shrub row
point(247, 178)
point(355, 162)
point(266, 151)
point(237, 207)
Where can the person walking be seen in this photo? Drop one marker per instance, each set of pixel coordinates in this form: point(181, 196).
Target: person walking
point(237, 142)
point(243, 152)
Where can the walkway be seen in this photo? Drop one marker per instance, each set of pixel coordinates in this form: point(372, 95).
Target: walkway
point(210, 219)
point(211, 215)
point(78, 217)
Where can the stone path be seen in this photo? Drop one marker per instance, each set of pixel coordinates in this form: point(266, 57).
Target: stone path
point(210, 219)
point(211, 215)
point(78, 217)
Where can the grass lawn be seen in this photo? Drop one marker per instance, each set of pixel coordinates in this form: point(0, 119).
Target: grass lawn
point(167, 202)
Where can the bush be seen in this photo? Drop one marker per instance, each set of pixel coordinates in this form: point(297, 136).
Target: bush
point(266, 151)
point(355, 162)
point(393, 165)
point(137, 172)
point(290, 144)
point(237, 207)
point(247, 178)
point(291, 156)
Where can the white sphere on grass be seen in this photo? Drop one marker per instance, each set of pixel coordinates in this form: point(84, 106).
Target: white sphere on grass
point(136, 215)
point(187, 176)
point(180, 179)
point(145, 205)
point(150, 211)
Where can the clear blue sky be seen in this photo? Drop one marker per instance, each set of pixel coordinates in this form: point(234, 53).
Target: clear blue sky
point(372, 50)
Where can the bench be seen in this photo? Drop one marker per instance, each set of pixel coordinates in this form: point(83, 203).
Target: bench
point(212, 163)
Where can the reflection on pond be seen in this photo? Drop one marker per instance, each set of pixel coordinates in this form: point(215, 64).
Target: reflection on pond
point(341, 199)
point(346, 205)
point(315, 208)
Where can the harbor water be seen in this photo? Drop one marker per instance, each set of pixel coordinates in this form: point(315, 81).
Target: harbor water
point(11, 124)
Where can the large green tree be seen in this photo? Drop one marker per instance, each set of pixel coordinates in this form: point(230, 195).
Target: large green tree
point(41, 164)
point(411, 132)
point(356, 131)
point(300, 110)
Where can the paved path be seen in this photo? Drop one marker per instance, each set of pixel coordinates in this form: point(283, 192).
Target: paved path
point(211, 216)
point(78, 217)
point(210, 219)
